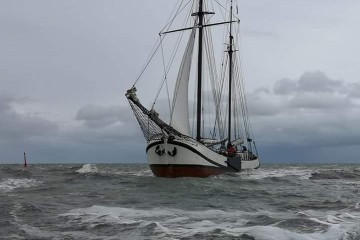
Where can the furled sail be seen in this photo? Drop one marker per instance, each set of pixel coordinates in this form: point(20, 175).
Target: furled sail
point(180, 109)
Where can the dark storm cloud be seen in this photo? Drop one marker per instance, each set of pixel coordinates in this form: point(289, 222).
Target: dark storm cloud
point(309, 136)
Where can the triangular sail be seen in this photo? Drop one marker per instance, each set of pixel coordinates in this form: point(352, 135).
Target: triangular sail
point(180, 109)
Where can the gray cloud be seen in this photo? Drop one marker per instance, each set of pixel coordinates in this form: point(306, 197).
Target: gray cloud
point(319, 101)
point(108, 134)
point(19, 127)
point(316, 90)
point(100, 116)
point(354, 90)
point(317, 82)
point(310, 119)
point(110, 125)
point(308, 82)
point(285, 86)
point(261, 103)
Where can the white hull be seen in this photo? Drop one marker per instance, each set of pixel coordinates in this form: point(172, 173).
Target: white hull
point(186, 157)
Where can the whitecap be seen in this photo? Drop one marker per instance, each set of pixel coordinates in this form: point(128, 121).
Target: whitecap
point(117, 211)
point(161, 229)
point(333, 219)
point(303, 214)
point(141, 173)
point(277, 173)
point(105, 171)
point(357, 205)
point(348, 215)
point(10, 184)
point(88, 168)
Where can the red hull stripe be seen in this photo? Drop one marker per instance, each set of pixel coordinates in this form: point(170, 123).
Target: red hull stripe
point(173, 171)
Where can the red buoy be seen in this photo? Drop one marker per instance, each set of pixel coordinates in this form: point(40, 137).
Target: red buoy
point(25, 163)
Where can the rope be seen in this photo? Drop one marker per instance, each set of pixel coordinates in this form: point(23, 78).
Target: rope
point(156, 46)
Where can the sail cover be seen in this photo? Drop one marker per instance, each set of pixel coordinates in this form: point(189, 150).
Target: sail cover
point(180, 109)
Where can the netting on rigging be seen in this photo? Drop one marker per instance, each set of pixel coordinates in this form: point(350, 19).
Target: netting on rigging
point(151, 125)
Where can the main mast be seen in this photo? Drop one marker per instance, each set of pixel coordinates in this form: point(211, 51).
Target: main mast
point(230, 52)
point(200, 13)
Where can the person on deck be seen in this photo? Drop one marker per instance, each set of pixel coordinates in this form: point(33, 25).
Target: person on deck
point(231, 149)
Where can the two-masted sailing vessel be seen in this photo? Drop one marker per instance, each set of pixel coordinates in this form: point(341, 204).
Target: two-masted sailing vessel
point(222, 144)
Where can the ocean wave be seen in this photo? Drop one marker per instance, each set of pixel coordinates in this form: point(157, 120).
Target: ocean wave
point(327, 204)
point(277, 173)
point(164, 223)
point(87, 168)
point(103, 171)
point(17, 172)
point(38, 233)
point(335, 174)
point(10, 184)
point(140, 173)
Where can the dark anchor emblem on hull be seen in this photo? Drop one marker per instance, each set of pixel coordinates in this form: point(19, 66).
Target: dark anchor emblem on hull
point(173, 153)
point(159, 151)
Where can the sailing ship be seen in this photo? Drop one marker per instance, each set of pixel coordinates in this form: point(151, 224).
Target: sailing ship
point(224, 145)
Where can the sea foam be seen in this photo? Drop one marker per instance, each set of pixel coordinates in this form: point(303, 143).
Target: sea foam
point(177, 223)
point(88, 168)
point(106, 171)
point(10, 184)
point(277, 173)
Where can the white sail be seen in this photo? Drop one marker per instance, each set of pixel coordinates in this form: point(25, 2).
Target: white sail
point(180, 109)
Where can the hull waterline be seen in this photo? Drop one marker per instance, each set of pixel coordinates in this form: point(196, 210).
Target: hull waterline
point(174, 171)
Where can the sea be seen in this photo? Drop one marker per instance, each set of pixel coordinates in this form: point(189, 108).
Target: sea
point(125, 201)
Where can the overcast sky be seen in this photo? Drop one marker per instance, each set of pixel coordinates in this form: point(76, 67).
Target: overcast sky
point(65, 66)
